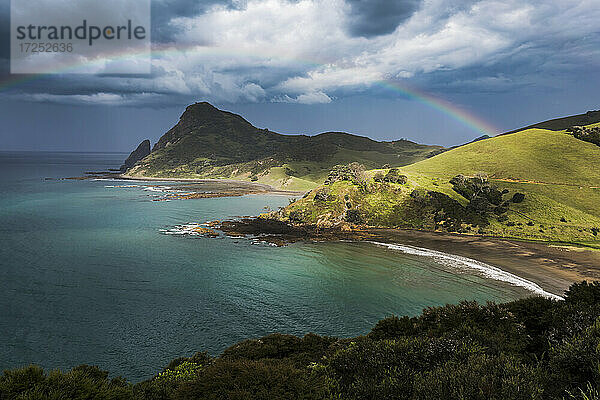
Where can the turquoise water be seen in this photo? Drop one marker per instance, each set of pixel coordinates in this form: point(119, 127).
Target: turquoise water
point(87, 277)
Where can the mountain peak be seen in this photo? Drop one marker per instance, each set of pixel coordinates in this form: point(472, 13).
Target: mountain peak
point(202, 111)
point(204, 120)
point(201, 108)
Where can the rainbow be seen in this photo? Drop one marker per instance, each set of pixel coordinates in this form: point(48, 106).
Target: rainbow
point(467, 119)
point(445, 107)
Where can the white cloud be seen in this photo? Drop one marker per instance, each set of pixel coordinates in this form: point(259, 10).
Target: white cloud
point(96, 98)
point(305, 98)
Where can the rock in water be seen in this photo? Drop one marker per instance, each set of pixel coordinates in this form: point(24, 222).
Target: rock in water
point(142, 151)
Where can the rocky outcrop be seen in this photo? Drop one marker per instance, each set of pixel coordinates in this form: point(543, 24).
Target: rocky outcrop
point(140, 152)
point(353, 172)
point(587, 134)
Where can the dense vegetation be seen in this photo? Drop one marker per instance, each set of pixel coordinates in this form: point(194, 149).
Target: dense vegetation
point(210, 143)
point(534, 348)
point(587, 134)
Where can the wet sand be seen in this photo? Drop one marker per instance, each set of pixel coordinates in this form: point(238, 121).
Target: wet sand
point(553, 268)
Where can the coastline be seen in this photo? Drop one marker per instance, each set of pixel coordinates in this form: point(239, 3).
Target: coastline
point(254, 188)
point(552, 267)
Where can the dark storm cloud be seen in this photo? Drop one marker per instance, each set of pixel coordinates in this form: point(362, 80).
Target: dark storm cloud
point(379, 17)
point(164, 11)
point(4, 39)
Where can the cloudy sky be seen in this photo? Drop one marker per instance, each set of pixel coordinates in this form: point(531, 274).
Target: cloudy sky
point(433, 71)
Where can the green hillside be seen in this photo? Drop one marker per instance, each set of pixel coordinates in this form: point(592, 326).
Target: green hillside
point(556, 173)
point(210, 143)
point(559, 124)
point(534, 154)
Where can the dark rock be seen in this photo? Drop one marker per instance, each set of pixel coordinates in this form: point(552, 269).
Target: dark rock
point(322, 194)
point(518, 198)
point(354, 217)
point(139, 153)
point(296, 216)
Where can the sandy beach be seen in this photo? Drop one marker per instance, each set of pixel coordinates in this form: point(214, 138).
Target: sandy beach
point(228, 185)
point(554, 268)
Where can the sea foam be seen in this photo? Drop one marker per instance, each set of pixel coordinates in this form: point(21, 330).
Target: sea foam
point(459, 262)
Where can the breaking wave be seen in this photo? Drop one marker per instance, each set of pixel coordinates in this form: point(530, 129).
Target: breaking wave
point(459, 262)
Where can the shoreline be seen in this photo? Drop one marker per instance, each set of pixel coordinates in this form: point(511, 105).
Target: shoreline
point(552, 267)
point(261, 188)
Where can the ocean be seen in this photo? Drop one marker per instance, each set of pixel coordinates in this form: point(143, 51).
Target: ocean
point(88, 275)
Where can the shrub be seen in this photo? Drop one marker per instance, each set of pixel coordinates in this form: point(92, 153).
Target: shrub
point(518, 198)
point(583, 292)
point(247, 379)
point(278, 346)
point(353, 172)
point(185, 371)
point(394, 176)
point(296, 216)
point(378, 177)
point(393, 327)
point(82, 382)
point(587, 134)
point(524, 349)
point(576, 362)
point(386, 369)
point(480, 377)
point(322, 194)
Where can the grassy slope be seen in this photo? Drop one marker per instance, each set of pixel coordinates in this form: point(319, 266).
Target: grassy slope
point(557, 172)
point(559, 124)
point(535, 154)
point(210, 143)
point(292, 175)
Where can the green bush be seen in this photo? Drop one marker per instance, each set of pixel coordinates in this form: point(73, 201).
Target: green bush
point(533, 348)
point(248, 379)
point(576, 362)
point(81, 383)
point(481, 377)
point(386, 369)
